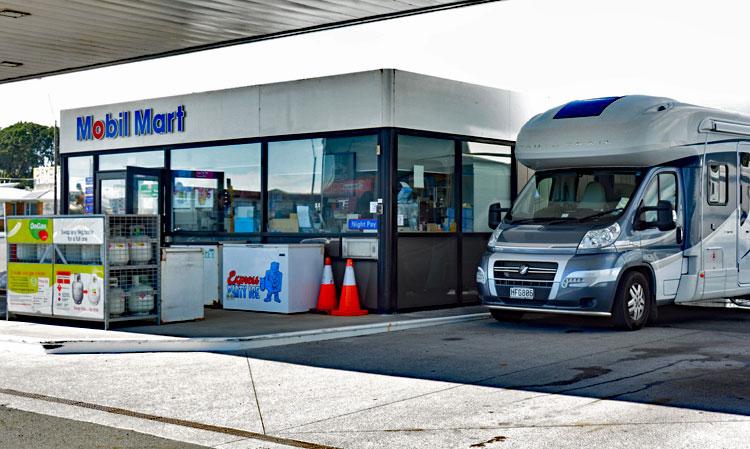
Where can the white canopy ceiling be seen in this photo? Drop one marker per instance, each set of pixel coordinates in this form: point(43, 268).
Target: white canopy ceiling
point(44, 37)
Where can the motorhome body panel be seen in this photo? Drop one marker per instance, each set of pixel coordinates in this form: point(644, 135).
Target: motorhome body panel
point(634, 130)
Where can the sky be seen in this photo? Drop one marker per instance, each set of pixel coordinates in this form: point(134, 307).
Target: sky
point(552, 51)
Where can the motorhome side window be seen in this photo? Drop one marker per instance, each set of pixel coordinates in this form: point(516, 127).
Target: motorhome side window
point(662, 188)
point(745, 185)
point(717, 184)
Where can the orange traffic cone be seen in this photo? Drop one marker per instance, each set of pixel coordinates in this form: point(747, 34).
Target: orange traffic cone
point(327, 295)
point(349, 304)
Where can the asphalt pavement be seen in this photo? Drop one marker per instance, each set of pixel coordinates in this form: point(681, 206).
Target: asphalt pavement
point(545, 382)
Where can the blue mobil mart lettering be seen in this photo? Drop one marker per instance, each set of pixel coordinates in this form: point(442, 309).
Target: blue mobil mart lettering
point(139, 122)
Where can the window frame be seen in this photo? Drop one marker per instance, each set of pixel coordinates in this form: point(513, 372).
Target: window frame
point(709, 164)
point(64, 200)
point(266, 171)
point(456, 180)
point(462, 144)
point(641, 224)
point(388, 147)
point(743, 197)
point(169, 199)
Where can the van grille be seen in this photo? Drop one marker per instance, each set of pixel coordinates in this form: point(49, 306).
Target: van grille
point(522, 283)
point(517, 271)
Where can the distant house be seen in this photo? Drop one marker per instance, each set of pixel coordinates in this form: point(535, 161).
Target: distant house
point(19, 201)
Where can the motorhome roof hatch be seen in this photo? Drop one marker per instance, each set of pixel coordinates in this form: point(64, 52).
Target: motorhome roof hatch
point(585, 108)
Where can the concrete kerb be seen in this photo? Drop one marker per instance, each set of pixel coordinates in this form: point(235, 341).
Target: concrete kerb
point(215, 344)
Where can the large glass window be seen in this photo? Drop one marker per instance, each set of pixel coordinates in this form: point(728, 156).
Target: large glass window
point(322, 185)
point(81, 185)
point(486, 180)
point(118, 161)
point(424, 182)
point(216, 189)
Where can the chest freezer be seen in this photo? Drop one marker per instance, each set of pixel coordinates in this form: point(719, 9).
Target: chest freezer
point(280, 278)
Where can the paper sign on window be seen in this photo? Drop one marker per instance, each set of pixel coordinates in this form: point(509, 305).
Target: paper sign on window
point(419, 176)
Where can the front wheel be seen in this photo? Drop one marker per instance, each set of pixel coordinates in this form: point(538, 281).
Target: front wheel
point(632, 305)
point(506, 315)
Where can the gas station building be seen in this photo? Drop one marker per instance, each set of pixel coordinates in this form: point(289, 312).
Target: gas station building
point(393, 169)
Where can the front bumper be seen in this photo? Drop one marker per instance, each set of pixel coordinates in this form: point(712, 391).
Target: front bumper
point(584, 284)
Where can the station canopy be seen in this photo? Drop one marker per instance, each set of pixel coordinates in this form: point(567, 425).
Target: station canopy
point(47, 37)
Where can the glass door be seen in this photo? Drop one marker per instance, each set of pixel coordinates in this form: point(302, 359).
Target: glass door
point(110, 193)
point(145, 192)
point(135, 190)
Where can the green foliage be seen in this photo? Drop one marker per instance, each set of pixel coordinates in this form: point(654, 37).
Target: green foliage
point(24, 146)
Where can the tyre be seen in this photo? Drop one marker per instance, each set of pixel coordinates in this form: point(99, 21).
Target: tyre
point(633, 302)
point(506, 315)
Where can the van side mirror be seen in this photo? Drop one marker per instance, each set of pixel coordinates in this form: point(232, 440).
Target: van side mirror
point(496, 215)
point(664, 216)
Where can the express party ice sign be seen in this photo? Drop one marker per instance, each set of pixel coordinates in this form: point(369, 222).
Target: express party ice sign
point(255, 279)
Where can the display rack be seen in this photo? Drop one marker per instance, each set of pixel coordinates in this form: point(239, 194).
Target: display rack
point(95, 268)
point(133, 268)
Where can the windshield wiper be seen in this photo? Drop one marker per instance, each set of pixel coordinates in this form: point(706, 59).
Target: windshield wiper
point(530, 220)
point(543, 220)
point(562, 220)
point(601, 214)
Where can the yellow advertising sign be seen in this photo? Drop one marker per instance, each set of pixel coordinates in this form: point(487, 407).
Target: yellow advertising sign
point(29, 230)
point(30, 288)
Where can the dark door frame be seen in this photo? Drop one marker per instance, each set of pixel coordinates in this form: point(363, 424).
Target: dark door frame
point(130, 175)
point(100, 176)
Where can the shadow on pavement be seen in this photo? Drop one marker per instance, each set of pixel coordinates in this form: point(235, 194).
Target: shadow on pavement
point(694, 358)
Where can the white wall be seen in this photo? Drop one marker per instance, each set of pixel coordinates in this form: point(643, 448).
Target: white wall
point(372, 99)
point(437, 104)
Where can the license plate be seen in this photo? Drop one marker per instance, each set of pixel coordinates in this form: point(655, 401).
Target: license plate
point(521, 293)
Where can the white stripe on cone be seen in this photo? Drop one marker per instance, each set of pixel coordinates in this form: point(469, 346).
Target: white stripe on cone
point(327, 275)
point(349, 279)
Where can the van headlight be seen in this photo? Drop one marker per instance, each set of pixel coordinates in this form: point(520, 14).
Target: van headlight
point(493, 238)
point(599, 238)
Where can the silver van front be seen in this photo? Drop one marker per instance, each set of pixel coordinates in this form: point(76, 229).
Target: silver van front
point(563, 245)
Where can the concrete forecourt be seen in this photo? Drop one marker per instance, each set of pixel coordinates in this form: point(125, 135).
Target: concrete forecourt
point(545, 382)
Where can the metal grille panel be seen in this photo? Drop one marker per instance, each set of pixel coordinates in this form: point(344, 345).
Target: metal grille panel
point(525, 271)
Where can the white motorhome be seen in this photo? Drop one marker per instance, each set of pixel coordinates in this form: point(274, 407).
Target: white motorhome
point(636, 202)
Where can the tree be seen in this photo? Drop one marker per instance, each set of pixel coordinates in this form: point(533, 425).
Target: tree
point(24, 146)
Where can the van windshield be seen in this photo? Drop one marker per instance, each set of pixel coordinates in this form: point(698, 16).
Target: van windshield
point(575, 196)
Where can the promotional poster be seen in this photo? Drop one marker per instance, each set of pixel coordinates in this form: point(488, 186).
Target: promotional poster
point(79, 291)
point(29, 288)
point(28, 282)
